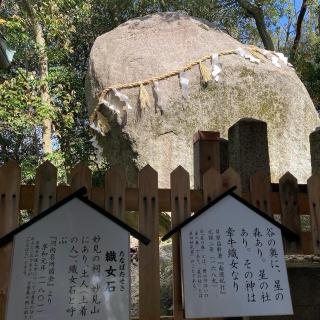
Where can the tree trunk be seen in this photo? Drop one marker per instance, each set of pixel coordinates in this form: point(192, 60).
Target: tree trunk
point(43, 72)
point(256, 13)
point(297, 38)
point(319, 19)
point(288, 32)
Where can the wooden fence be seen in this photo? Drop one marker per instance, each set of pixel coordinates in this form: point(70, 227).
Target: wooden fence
point(287, 200)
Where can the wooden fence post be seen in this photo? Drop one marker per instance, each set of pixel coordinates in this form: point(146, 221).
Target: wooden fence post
point(10, 176)
point(115, 191)
point(80, 176)
point(208, 175)
point(260, 187)
point(224, 154)
point(314, 204)
point(232, 178)
point(149, 270)
point(2, 304)
point(212, 185)
point(288, 190)
point(180, 210)
point(206, 154)
point(45, 191)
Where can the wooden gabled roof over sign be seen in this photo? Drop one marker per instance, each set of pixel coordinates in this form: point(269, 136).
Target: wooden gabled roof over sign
point(290, 235)
point(79, 194)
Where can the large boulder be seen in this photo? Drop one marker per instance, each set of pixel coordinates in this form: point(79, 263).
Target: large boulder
point(153, 45)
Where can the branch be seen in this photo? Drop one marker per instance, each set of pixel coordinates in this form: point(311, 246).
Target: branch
point(288, 31)
point(297, 38)
point(319, 19)
point(256, 12)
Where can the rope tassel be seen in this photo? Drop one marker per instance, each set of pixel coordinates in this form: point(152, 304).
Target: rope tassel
point(205, 73)
point(144, 98)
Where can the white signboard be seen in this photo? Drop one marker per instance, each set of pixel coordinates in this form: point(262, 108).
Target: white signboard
point(233, 264)
point(71, 264)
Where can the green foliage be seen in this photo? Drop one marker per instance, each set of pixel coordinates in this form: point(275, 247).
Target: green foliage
point(70, 28)
point(21, 109)
point(308, 67)
point(20, 124)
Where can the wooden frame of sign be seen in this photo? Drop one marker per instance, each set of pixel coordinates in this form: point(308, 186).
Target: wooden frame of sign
point(71, 261)
point(233, 261)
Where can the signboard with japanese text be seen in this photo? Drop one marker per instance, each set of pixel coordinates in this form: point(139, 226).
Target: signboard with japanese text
point(71, 264)
point(233, 264)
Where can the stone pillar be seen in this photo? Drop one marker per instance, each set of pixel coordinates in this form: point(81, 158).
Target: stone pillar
point(314, 139)
point(248, 149)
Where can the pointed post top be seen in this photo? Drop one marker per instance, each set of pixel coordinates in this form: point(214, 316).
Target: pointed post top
point(212, 184)
point(315, 177)
point(288, 176)
point(80, 166)
point(230, 172)
point(46, 166)
point(179, 171)
point(80, 176)
point(231, 178)
point(148, 170)
point(212, 171)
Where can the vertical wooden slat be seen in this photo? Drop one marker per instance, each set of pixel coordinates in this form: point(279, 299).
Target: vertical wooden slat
point(180, 210)
point(98, 196)
point(206, 160)
point(10, 176)
point(212, 185)
point(314, 203)
point(63, 190)
point(260, 187)
point(2, 304)
point(231, 178)
point(206, 154)
point(149, 277)
point(115, 191)
point(45, 192)
point(80, 176)
point(288, 190)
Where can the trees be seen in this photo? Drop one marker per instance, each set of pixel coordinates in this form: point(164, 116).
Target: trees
point(42, 88)
point(255, 10)
point(43, 71)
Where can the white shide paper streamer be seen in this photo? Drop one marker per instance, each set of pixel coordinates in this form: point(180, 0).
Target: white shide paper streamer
point(243, 53)
point(98, 149)
point(158, 100)
point(216, 66)
point(282, 57)
point(95, 126)
point(184, 83)
point(275, 61)
point(122, 98)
